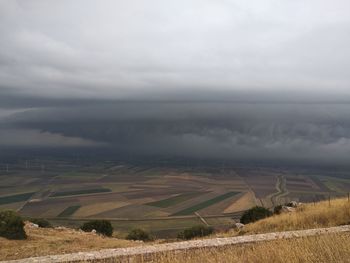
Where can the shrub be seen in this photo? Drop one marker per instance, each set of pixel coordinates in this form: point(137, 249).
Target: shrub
point(138, 234)
point(254, 214)
point(41, 222)
point(103, 227)
point(277, 209)
point(195, 231)
point(11, 225)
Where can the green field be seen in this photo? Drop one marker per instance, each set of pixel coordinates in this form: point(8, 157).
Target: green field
point(161, 228)
point(69, 211)
point(15, 198)
point(78, 174)
point(175, 200)
point(81, 192)
point(192, 209)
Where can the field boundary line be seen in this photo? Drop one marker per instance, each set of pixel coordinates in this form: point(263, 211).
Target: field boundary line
point(201, 218)
point(126, 253)
point(232, 215)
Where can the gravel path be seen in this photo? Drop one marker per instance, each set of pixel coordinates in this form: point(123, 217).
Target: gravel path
point(124, 253)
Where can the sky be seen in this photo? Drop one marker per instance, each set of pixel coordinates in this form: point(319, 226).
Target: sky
point(235, 79)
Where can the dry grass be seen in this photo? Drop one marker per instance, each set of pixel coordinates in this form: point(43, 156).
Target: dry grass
point(44, 241)
point(307, 216)
point(327, 249)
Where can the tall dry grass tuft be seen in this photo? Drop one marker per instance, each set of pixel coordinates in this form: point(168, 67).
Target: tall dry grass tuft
point(321, 214)
point(328, 248)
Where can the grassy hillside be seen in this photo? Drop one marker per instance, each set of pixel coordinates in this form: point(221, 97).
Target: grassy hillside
point(46, 241)
point(321, 214)
point(328, 248)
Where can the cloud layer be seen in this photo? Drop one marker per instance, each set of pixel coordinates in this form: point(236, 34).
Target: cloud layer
point(156, 48)
point(274, 132)
point(240, 80)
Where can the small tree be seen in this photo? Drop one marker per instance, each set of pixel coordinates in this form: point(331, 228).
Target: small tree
point(41, 222)
point(195, 231)
point(103, 227)
point(138, 234)
point(254, 214)
point(277, 209)
point(11, 225)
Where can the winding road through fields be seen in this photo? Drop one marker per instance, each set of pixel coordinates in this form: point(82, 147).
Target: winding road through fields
point(281, 190)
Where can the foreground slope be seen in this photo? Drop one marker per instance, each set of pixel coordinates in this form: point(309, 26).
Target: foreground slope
point(312, 215)
point(326, 248)
point(49, 241)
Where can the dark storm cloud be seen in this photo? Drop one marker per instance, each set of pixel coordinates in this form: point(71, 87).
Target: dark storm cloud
point(237, 131)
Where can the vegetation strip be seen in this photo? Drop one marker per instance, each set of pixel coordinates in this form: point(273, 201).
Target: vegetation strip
point(178, 246)
point(15, 198)
point(197, 207)
point(69, 211)
point(175, 199)
point(81, 192)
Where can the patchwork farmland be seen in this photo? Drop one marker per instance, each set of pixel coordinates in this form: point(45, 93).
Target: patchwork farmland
point(163, 200)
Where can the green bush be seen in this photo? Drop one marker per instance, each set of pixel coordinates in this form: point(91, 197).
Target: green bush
point(11, 225)
point(254, 214)
point(103, 227)
point(195, 231)
point(277, 209)
point(138, 234)
point(41, 222)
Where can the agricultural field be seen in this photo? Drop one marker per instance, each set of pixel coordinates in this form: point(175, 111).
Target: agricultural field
point(190, 210)
point(80, 192)
point(163, 200)
point(174, 200)
point(69, 211)
point(15, 198)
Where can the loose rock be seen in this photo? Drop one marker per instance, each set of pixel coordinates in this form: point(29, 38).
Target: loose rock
point(239, 226)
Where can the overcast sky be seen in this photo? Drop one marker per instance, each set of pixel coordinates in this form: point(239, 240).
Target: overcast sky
point(137, 48)
point(60, 60)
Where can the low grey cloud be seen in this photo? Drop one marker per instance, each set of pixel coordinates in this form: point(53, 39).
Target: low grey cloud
point(25, 138)
point(294, 133)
